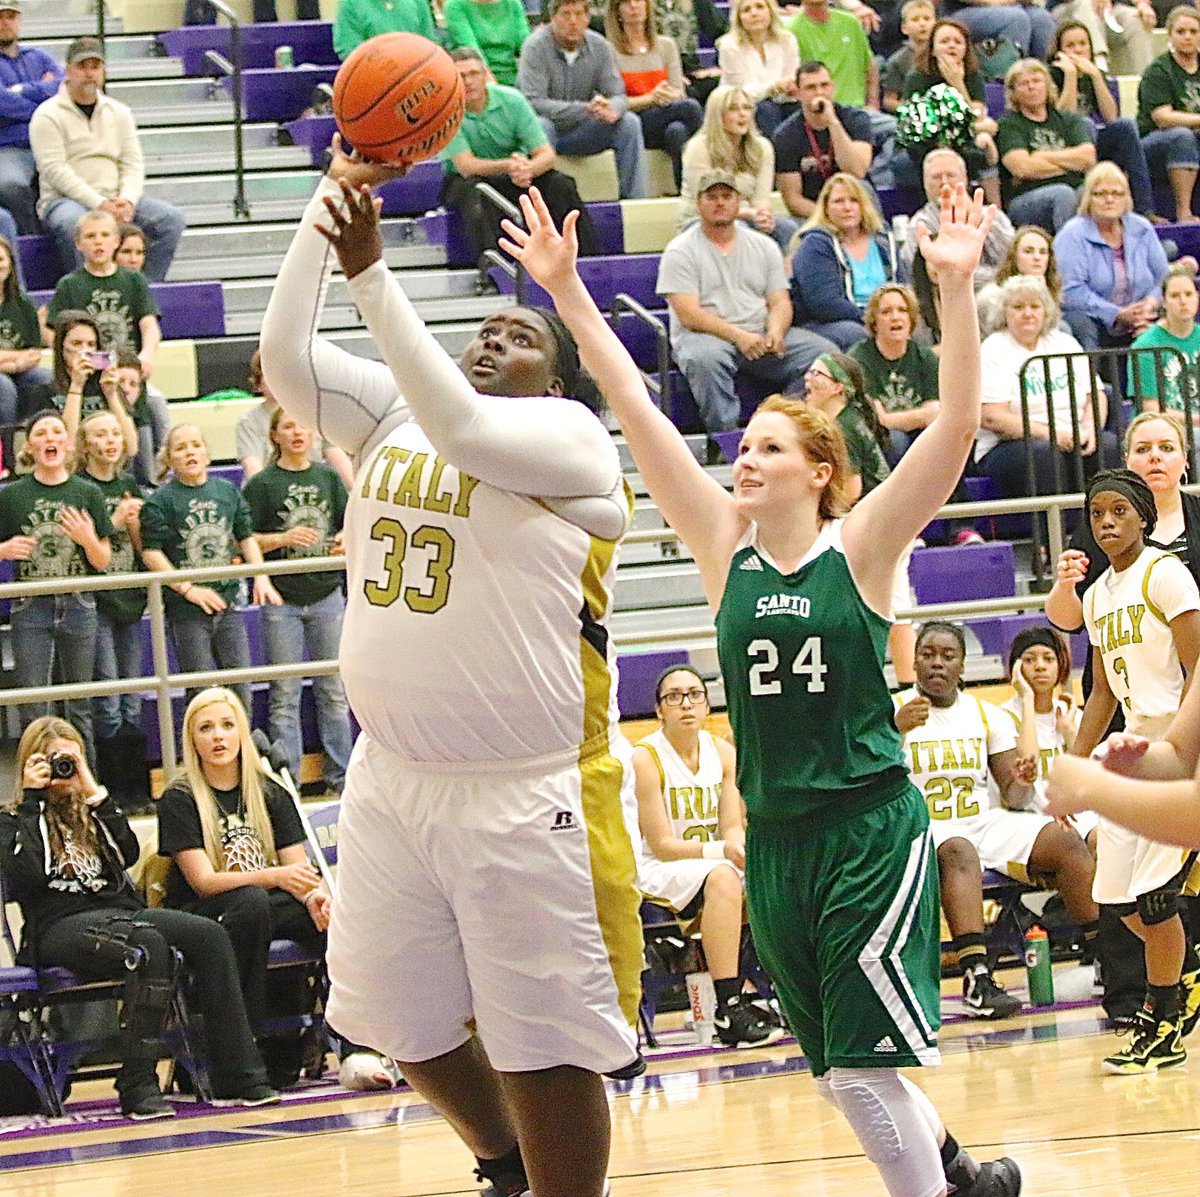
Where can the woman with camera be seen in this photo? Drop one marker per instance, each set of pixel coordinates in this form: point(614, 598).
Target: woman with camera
point(64, 849)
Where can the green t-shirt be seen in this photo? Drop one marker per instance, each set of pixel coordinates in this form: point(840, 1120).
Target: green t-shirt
point(902, 385)
point(196, 526)
point(497, 30)
point(1174, 387)
point(507, 125)
point(916, 83)
point(842, 46)
point(19, 328)
point(30, 508)
point(314, 498)
point(116, 302)
point(1059, 131)
point(358, 20)
point(123, 606)
point(1166, 82)
point(866, 457)
point(802, 657)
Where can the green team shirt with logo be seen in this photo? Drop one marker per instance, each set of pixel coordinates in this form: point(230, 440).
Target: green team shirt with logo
point(314, 498)
point(1059, 131)
point(1166, 82)
point(122, 606)
point(117, 302)
point(30, 508)
point(196, 526)
point(19, 328)
point(900, 385)
point(802, 656)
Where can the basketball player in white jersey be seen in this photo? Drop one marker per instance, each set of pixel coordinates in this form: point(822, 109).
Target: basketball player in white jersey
point(1143, 621)
point(694, 842)
point(488, 939)
point(962, 749)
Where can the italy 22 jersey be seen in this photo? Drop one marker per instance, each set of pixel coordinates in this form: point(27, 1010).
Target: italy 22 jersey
point(476, 619)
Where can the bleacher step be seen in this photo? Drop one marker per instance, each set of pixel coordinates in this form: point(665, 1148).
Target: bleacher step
point(345, 316)
point(275, 157)
point(147, 96)
point(407, 256)
point(448, 285)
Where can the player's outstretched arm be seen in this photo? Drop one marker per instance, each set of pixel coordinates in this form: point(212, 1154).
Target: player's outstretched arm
point(692, 503)
point(884, 523)
point(346, 398)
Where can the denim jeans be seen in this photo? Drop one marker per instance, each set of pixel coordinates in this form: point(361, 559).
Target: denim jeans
point(669, 128)
point(118, 654)
point(54, 640)
point(17, 191)
point(20, 396)
point(214, 642)
point(162, 223)
point(624, 138)
point(1050, 206)
point(1028, 27)
point(293, 633)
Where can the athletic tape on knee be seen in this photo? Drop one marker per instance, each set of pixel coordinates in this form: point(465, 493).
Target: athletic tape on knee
point(1159, 905)
point(891, 1128)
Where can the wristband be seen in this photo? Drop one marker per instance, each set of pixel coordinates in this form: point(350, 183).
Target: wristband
point(713, 850)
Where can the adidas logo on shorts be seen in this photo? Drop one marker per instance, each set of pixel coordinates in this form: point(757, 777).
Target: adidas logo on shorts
point(751, 563)
point(885, 1045)
point(564, 821)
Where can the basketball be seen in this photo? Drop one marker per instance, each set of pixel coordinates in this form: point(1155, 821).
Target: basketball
point(398, 98)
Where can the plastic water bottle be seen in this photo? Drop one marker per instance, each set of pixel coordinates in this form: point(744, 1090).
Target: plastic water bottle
point(900, 228)
point(1038, 967)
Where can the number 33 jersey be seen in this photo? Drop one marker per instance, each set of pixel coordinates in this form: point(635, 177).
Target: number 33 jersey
point(802, 656)
point(476, 620)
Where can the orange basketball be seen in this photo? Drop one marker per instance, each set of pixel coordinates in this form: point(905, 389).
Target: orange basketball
point(398, 98)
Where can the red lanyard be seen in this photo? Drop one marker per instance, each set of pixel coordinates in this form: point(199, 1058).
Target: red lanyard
point(825, 167)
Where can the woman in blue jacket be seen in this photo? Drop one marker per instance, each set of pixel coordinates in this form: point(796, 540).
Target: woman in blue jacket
point(842, 255)
point(1112, 263)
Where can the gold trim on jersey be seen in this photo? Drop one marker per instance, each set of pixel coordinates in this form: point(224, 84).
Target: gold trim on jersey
point(1155, 610)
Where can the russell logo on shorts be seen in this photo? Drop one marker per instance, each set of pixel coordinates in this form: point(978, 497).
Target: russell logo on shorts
point(564, 821)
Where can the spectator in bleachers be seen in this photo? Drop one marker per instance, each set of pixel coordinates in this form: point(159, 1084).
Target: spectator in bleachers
point(1176, 330)
point(817, 142)
point(1030, 253)
point(729, 141)
point(264, 11)
point(496, 28)
point(686, 22)
point(88, 156)
point(1031, 329)
point(730, 311)
point(252, 434)
point(25, 384)
point(569, 75)
point(1027, 26)
point(131, 251)
point(942, 168)
point(238, 854)
point(957, 746)
point(1120, 33)
point(358, 20)
point(917, 18)
point(694, 842)
point(948, 58)
point(1112, 263)
point(828, 35)
point(843, 254)
point(760, 56)
point(28, 77)
point(297, 508)
point(1084, 88)
point(900, 376)
point(190, 522)
point(1044, 153)
point(112, 398)
point(653, 76)
point(53, 525)
point(1169, 110)
point(64, 847)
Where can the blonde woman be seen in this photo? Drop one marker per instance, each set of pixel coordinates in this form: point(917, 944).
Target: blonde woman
point(843, 255)
point(728, 140)
point(761, 57)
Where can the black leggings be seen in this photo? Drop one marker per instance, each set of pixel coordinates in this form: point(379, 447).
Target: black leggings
point(208, 956)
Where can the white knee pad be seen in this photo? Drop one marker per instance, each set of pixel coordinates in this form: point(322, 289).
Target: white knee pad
point(892, 1129)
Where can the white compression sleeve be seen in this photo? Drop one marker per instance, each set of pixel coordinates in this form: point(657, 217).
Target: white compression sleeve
point(544, 447)
point(348, 399)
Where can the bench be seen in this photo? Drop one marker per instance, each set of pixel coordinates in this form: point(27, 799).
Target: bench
point(311, 42)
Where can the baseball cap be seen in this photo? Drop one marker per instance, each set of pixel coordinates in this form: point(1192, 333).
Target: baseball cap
point(715, 178)
point(11, 5)
point(83, 48)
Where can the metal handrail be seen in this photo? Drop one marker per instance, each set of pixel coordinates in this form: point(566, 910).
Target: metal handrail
point(505, 207)
point(100, 19)
point(231, 66)
point(514, 270)
point(624, 302)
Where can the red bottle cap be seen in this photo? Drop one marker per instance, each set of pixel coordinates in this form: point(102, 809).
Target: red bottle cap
point(1036, 933)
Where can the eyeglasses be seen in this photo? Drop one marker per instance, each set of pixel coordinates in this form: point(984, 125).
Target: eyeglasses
point(674, 698)
point(820, 374)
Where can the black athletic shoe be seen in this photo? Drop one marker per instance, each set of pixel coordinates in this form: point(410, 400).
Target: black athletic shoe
point(144, 1104)
point(1190, 989)
point(739, 1024)
point(983, 998)
point(255, 1095)
point(997, 1178)
point(1154, 1045)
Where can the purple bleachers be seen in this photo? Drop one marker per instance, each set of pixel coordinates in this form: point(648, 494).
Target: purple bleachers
point(279, 94)
point(311, 42)
point(187, 309)
point(636, 675)
point(39, 261)
point(605, 277)
point(963, 572)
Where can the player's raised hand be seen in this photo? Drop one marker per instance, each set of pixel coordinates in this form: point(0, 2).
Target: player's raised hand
point(359, 171)
point(965, 221)
point(355, 234)
point(547, 254)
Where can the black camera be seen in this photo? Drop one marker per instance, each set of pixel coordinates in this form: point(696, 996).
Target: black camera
point(62, 765)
